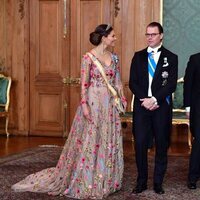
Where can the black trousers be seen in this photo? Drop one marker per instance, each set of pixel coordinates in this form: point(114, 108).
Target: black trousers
point(157, 124)
point(194, 165)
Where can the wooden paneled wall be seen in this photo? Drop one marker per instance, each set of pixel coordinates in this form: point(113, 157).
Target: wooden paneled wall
point(14, 41)
point(129, 21)
point(130, 25)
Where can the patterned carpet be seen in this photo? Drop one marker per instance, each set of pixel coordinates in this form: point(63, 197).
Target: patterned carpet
point(16, 167)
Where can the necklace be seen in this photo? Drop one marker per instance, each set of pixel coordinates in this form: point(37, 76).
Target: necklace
point(99, 53)
point(104, 57)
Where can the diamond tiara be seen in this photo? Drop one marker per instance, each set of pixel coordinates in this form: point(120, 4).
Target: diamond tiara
point(108, 27)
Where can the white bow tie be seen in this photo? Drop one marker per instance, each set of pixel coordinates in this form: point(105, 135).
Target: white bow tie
point(155, 50)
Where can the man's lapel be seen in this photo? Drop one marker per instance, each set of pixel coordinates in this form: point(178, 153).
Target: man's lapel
point(144, 65)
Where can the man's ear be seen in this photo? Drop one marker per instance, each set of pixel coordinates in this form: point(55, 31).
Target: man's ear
point(161, 36)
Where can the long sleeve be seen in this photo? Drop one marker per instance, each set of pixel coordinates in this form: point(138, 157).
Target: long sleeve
point(118, 82)
point(134, 81)
point(188, 81)
point(85, 78)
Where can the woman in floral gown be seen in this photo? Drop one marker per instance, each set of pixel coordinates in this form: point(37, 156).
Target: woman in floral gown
point(91, 163)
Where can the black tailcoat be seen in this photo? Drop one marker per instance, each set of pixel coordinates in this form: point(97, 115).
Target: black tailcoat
point(158, 122)
point(192, 99)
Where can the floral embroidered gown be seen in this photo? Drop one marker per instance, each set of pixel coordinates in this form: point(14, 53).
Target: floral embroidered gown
point(91, 163)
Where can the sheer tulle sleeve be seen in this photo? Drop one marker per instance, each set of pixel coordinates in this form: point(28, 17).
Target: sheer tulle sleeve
point(85, 79)
point(118, 82)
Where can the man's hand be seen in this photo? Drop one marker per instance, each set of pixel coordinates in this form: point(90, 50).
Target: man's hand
point(149, 103)
point(154, 107)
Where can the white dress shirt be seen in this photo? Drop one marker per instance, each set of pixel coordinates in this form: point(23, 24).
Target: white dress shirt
point(156, 56)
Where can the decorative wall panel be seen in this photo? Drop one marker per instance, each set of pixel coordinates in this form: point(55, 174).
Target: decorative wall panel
point(181, 20)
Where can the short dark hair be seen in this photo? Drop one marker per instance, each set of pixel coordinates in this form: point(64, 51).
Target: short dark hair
point(100, 31)
point(156, 24)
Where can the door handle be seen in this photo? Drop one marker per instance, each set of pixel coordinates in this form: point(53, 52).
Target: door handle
point(66, 81)
point(71, 81)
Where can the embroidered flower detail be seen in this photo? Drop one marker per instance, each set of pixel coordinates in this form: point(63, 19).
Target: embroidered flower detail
point(116, 185)
point(83, 101)
point(109, 181)
point(79, 142)
point(100, 175)
point(87, 167)
point(86, 85)
point(66, 191)
point(78, 191)
point(165, 74)
point(90, 187)
point(111, 73)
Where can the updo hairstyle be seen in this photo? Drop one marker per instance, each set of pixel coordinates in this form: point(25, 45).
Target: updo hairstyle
point(100, 31)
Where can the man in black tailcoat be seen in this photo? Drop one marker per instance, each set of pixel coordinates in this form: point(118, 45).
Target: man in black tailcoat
point(153, 78)
point(192, 104)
